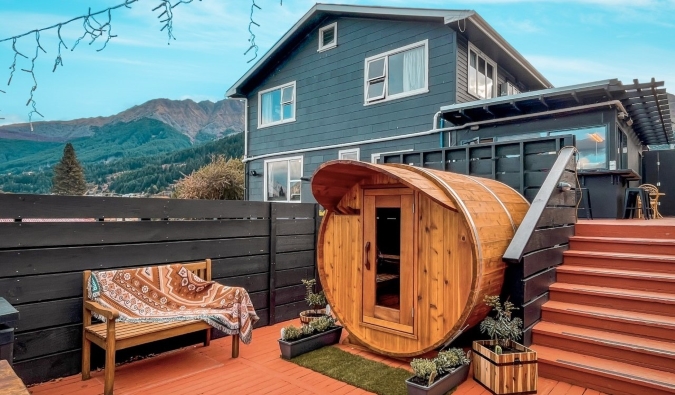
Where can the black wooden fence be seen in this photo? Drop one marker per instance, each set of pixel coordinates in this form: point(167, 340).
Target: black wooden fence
point(541, 239)
point(47, 241)
point(523, 164)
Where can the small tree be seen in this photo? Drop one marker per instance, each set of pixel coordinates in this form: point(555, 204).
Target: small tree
point(502, 327)
point(219, 180)
point(68, 174)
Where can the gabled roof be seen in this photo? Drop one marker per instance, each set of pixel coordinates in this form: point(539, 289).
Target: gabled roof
point(646, 105)
point(467, 21)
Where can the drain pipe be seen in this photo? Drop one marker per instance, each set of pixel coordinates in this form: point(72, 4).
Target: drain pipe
point(245, 100)
point(616, 103)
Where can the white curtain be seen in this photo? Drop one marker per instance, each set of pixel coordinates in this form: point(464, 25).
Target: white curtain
point(267, 108)
point(413, 69)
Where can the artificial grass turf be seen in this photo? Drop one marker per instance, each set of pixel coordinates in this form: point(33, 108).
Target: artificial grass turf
point(355, 370)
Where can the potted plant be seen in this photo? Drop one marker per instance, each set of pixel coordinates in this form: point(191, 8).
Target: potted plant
point(318, 333)
point(500, 364)
point(439, 375)
point(316, 301)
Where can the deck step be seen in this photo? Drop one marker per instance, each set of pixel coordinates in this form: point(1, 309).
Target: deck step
point(614, 320)
point(613, 278)
point(628, 228)
point(649, 353)
point(638, 262)
point(617, 298)
point(601, 374)
point(623, 245)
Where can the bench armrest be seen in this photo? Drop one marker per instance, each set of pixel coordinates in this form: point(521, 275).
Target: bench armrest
point(109, 314)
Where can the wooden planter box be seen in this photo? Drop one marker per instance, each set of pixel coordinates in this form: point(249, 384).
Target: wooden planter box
point(298, 347)
point(441, 386)
point(514, 373)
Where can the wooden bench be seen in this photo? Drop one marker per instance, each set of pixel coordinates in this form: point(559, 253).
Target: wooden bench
point(112, 336)
point(10, 384)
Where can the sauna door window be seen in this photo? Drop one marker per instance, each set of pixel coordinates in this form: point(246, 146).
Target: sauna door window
point(388, 260)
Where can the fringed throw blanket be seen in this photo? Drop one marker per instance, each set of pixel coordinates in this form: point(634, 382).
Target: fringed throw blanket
point(173, 293)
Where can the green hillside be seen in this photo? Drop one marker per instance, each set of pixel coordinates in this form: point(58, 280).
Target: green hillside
point(144, 137)
point(144, 156)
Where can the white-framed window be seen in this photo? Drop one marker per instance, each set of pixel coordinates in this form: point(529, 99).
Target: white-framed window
point(328, 37)
point(508, 89)
point(276, 105)
point(283, 179)
point(482, 74)
point(398, 73)
point(351, 154)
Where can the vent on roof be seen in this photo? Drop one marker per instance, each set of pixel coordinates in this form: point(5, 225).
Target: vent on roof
point(328, 37)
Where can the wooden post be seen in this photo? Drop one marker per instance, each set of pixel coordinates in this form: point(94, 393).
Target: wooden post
point(86, 321)
point(273, 264)
point(235, 346)
point(109, 357)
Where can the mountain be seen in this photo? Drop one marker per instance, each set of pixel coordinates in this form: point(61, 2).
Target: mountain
point(203, 121)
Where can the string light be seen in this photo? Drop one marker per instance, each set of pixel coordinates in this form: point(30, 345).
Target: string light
point(93, 30)
point(251, 39)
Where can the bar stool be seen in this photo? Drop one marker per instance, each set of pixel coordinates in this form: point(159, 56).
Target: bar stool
point(630, 203)
point(585, 197)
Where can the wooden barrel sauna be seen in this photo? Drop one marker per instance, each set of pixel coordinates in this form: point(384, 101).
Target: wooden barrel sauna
point(406, 254)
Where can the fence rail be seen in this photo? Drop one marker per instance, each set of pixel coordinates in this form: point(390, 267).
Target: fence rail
point(264, 247)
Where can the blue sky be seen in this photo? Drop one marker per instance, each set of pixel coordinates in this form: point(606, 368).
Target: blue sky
point(571, 41)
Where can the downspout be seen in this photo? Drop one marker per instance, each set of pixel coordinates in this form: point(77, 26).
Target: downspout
point(246, 170)
point(444, 129)
point(436, 126)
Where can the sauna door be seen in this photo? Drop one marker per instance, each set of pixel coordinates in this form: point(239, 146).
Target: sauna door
point(388, 228)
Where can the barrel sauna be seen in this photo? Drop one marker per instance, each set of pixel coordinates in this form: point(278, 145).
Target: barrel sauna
point(406, 254)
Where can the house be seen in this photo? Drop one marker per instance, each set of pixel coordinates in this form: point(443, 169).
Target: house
point(394, 84)
point(353, 82)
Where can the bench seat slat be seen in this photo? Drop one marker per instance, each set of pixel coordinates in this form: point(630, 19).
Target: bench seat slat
point(133, 334)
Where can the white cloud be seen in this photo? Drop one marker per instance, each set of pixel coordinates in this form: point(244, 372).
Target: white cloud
point(11, 119)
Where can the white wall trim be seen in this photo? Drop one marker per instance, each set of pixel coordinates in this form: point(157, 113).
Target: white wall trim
point(335, 37)
point(356, 150)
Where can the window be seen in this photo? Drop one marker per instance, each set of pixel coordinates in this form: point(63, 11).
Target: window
point(277, 105)
point(482, 74)
point(282, 179)
point(508, 89)
point(328, 37)
point(398, 73)
point(351, 154)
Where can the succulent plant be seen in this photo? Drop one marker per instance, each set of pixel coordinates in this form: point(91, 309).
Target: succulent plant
point(322, 324)
point(291, 332)
point(447, 360)
point(424, 368)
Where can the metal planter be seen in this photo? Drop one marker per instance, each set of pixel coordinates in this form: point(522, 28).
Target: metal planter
point(291, 349)
point(442, 386)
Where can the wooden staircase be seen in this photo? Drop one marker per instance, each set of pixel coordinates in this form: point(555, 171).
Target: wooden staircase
point(609, 323)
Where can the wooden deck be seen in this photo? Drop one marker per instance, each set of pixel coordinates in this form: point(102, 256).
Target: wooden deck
point(258, 370)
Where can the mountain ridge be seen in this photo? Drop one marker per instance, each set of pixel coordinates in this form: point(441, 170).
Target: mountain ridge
point(187, 116)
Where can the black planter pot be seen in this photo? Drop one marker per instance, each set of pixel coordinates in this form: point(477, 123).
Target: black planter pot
point(441, 386)
point(291, 349)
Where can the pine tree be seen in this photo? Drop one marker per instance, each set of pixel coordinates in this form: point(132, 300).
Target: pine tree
point(68, 175)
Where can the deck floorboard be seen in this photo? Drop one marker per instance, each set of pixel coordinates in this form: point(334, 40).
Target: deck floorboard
point(258, 370)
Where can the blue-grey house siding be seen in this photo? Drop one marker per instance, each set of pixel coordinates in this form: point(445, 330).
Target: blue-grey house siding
point(329, 100)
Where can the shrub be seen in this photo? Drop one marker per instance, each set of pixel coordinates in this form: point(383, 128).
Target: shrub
point(306, 330)
point(425, 369)
point(447, 360)
point(502, 327)
point(219, 180)
point(314, 300)
point(291, 332)
point(322, 324)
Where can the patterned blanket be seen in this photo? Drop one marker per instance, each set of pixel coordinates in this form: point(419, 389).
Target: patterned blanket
point(173, 293)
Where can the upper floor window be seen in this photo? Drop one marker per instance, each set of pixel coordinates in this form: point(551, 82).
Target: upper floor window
point(283, 179)
point(508, 89)
point(328, 37)
point(352, 154)
point(398, 73)
point(277, 105)
point(482, 74)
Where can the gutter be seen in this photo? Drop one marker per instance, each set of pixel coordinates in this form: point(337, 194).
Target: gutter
point(435, 129)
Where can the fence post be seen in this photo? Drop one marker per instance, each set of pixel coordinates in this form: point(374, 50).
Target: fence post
point(317, 226)
point(273, 263)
